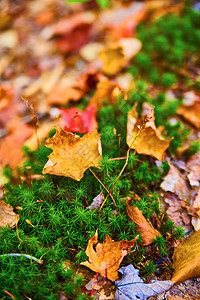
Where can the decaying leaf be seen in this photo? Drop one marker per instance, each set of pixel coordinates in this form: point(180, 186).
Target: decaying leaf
point(149, 140)
point(132, 287)
point(108, 256)
point(196, 218)
point(175, 182)
point(7, 216)
point(116, 57)
point(76, 120)
point(191, 113)
point(148, 233)
point(186, 259)
point(106, 91)
point(97, 201)
point(193, 166)
point(72, 155)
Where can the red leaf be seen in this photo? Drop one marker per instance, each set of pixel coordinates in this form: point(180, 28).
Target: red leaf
point(76, 120)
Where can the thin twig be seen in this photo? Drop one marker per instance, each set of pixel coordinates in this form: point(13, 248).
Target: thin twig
point(38, 261)
point(103, 187)
point(126, 162)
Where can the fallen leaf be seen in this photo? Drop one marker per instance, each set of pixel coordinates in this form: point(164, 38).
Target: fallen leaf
point(191, 113)
point(193, 166)
point(97, 201)
point(177, 211)
point(7, 216)
point(196, 218)
point(132, 287)
point(116, 57)
point(175, 182)
point(72, 155)
point(73, 32)
point(106, 90)
point(148, 233)
point(103, 288)
point(149, 140)
point(76, 120)
point(10, 147)
point(186, 259)
point(108, 256)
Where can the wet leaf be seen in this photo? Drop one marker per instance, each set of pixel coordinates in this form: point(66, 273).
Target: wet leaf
point(132, 287)
point(191, 113)
point(108, 256)
point(186, 259)
point(72, 155)
point(7, 216)
point(149, 141)
point(76, 120)
point(148, 233)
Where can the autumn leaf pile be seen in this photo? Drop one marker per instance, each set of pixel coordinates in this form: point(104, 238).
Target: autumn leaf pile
point(99, 149)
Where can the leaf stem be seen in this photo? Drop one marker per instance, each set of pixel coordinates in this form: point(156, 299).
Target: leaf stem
point(93, 284)
point(104, 187)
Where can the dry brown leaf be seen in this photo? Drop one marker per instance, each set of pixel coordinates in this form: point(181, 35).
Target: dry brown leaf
point(176, 211)
point(175, 182)
point(108, 256)
point(72, 155)
point(196, 218)
point(149, 141)
point(193, 166)
point(148, 233)
point(186, 259)
point(191, 113)
point(7, 216)
point(116, 57)
point(106, 90)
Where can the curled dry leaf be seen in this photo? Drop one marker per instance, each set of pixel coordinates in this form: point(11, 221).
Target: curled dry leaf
point(7, 216)
point(116, 57)
point(149, 140)
point(106, 90)
point(148, 233)
point(191, 113)
point(175, 182)
point(108, 256)
point(72, 155)
point(76, 120)
point(186, 259)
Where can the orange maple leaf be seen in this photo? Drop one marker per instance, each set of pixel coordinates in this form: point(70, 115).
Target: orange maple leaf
point(108, 256)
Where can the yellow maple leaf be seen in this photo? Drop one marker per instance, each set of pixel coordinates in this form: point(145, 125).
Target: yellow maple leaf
point(186, 259)
point(72, 155)
point(149, 140)
point(108, 256)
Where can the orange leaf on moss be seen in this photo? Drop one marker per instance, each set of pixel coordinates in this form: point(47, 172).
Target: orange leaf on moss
point(108, 256)
point(149, 140)
point(148, 233)
point(72, 155)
